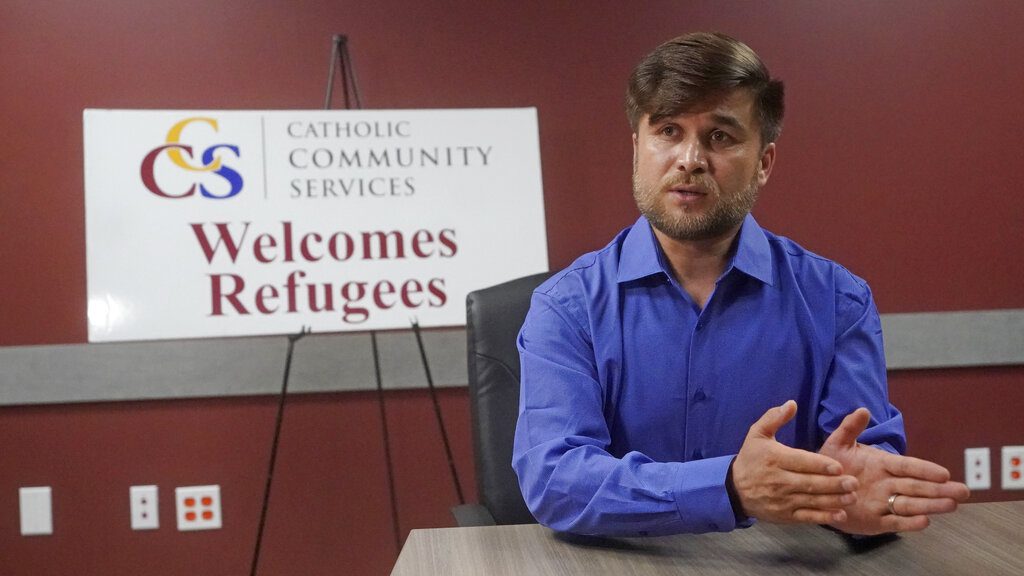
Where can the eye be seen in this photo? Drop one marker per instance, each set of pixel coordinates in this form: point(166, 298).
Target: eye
point(670, 130)
point(719, 136)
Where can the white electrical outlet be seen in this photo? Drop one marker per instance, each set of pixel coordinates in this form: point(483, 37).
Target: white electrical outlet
point(36, 507)
point(198, 507)
point(1013, 467)
point(145, 507)
point(977, 468)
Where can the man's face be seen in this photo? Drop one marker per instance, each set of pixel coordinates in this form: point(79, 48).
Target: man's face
point(696, 175)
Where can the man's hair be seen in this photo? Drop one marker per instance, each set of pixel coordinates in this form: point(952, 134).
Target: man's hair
point(695, 67)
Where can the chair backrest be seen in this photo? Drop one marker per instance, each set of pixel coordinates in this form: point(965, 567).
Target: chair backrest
point(493, 318)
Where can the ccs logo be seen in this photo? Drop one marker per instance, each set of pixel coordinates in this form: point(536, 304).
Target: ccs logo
point(212, 163)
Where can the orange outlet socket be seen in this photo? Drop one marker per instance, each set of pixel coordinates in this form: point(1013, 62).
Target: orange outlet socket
point(1013, 467)
point(198, 507)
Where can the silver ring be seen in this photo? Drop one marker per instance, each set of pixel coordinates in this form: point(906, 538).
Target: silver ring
point(892, 502)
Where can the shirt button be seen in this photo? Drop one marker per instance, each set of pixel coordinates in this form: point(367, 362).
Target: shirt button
point(699, 395)
point(700, 325)
point(697, 455)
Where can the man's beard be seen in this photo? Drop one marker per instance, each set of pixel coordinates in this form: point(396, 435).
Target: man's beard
point(726, 214)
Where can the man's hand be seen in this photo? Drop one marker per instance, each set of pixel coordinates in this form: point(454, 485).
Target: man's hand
point(776, 483)
point(922, 487)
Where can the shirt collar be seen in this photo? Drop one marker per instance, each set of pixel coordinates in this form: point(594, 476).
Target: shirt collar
point(642, 256)
point(753, 254)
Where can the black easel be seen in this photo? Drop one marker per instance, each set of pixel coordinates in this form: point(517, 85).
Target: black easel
point(273, 446)
point(340, 58)
point(387, 443)
point(437, 413)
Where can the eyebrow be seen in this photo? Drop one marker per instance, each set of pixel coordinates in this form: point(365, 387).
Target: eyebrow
point(723, 119)
point(727, 120)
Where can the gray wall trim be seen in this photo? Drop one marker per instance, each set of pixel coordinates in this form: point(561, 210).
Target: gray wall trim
point(225, 367)
point(343, 362)
point(954, 339)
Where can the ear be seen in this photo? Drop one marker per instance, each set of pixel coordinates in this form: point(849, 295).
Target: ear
point(764, 166)
point(634, 148)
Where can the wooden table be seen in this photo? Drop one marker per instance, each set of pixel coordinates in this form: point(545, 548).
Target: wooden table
point(977, 540)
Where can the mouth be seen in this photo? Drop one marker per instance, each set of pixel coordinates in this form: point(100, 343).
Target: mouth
point(686, 194)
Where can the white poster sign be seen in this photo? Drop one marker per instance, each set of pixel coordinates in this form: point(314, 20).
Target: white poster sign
point(230, 223)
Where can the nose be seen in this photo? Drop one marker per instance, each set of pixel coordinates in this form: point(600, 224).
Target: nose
point(692, 158)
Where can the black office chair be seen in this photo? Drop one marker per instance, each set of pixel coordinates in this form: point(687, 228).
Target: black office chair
point(493, 318)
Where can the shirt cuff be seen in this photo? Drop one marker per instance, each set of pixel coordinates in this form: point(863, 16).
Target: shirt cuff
point(742, 520)
point(702, 498)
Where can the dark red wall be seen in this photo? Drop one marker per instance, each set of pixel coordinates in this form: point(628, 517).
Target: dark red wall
point(330, 508)
point(901, 158)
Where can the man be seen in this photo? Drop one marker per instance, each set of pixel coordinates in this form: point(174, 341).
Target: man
point(699, 372)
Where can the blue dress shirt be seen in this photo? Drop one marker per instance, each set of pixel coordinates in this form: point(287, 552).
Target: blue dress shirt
point(635, 401)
